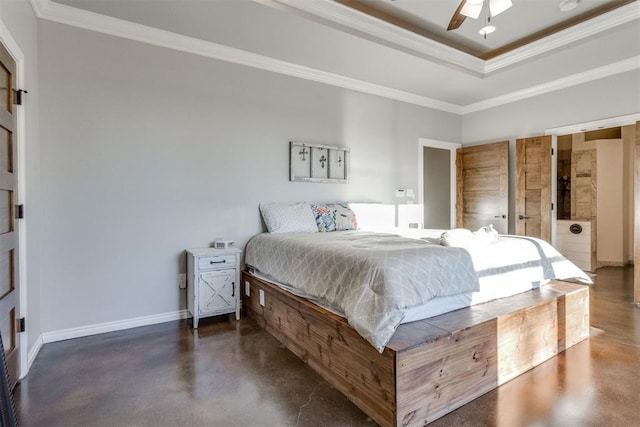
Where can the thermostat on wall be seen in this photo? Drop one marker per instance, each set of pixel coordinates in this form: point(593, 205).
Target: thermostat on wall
point(223, 244)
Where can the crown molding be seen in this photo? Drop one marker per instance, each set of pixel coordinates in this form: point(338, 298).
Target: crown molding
point(387, 33)
point(562, 83)
point(356, 20)
point(56, 12)
point(63, 14)
point(606, 21)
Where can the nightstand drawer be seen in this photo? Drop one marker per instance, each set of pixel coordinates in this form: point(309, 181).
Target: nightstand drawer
point(217, 261)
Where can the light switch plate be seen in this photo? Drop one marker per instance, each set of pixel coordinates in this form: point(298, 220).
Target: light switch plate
point(247, 288)
point(261, 295)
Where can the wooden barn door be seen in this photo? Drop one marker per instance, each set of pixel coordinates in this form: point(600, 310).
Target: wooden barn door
point(636, 251)
point(9, 284)
point(482, 181)
point(533, 187)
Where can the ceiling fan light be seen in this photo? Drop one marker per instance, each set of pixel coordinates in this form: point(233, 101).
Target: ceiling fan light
point(568, 5)
point(471, 10)
point(498, 6)
point(486, 30)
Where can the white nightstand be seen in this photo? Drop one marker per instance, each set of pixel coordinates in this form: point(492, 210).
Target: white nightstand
point(213, 282)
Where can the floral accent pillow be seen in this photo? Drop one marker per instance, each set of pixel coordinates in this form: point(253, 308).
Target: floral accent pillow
point(325, 217)
point(334, 217)
point(345, 218)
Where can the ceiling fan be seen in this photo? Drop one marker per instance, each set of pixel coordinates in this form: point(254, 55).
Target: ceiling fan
point(472, 9)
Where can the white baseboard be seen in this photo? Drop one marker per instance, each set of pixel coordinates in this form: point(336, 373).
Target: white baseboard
point(100, 328)
point(31, 356)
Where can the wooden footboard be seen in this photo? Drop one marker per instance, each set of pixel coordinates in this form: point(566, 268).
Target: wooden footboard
point(430, 367)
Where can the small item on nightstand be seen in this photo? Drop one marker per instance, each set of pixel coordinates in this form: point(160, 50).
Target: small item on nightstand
point(223, 244)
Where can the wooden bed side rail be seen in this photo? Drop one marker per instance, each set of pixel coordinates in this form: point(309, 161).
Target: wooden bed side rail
point(433, 366)
point(327, 344)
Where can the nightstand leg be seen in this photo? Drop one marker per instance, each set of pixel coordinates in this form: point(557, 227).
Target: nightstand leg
point(195, 322)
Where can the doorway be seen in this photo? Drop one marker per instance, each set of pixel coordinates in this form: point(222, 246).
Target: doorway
point(13, 54)
point(9, 247)
point(594, 197)
point(608, 123)
point(437, 185)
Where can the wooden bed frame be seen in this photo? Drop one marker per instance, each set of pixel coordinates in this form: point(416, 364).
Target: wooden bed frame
point(433, 366)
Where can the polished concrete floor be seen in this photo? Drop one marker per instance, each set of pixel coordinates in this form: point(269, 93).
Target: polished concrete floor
point(231, 373)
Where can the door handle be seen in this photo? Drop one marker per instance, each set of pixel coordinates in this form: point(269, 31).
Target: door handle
point(523, 217)
point(503, 216)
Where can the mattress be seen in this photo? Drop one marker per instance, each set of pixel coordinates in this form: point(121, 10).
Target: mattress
point(379, 280)
point(489, 290)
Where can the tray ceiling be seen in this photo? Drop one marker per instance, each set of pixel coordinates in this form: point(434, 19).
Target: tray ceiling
point(526, 21)
point(328, 42)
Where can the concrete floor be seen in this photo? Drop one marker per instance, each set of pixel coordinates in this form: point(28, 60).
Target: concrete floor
point(230, 373)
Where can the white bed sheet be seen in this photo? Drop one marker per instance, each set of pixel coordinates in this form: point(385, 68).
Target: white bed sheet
point(504, 267)
point(488, 291)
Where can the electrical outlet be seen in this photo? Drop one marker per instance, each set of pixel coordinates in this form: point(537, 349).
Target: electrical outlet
point(261, 292)
point(182, 281)
point(247, 288)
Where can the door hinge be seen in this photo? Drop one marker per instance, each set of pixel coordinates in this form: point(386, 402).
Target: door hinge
point(552, 206)
point(21, 324)
point(19, 211)
point(18, 96)
point(552, 151)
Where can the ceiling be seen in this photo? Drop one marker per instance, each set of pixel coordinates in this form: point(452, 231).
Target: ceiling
point(524, 22)
point(330, 42)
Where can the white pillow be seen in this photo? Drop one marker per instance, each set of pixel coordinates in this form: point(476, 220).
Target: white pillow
point(374, 216)
point(288, 218)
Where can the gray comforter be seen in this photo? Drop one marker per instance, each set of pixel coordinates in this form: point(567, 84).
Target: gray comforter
point(371, 277)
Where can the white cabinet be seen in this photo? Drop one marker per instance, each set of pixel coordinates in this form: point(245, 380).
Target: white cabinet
point(573, 240)
point(213, 282)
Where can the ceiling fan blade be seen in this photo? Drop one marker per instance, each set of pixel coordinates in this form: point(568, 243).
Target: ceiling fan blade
point(458, 18)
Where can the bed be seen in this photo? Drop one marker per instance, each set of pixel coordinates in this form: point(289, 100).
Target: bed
point(377, 280)
point(409, 329)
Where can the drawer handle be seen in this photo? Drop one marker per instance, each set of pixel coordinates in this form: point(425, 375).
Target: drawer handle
point(218, 262)
point(233, 289)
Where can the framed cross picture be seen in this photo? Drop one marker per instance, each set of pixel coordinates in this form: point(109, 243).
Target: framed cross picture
point(318, 163)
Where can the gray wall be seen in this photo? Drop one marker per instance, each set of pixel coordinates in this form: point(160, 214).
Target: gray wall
point(21, 22)
point(148, 151)
point(614, 96)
